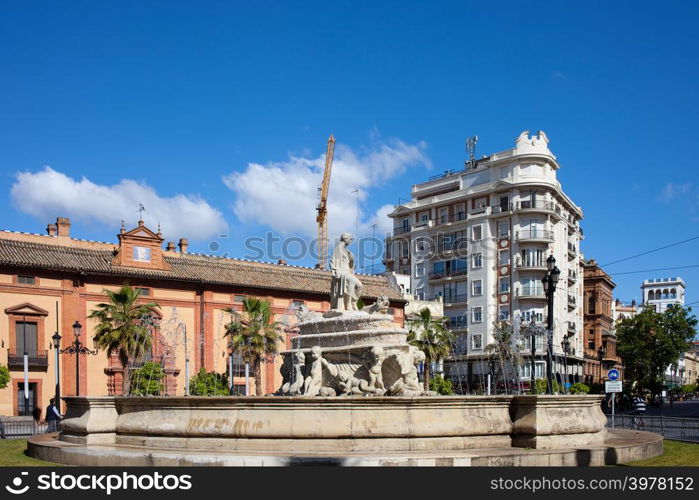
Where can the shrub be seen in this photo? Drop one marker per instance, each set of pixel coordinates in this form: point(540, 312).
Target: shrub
point(208, 384)
point(540, 386)
point(4, 376)
point(442, 386)
point(579, 388)
point(148, 380)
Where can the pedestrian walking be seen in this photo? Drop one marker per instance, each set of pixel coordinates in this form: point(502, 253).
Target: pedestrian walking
point(53, 416)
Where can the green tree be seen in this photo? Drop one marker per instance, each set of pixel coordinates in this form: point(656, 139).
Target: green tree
point(4, 376)
point(208, 384)
point(442, 386)
point(148, 380)
point(122, 327)
point(650, 342)
point(254, 335)
point(431, 336)
point(504, 348)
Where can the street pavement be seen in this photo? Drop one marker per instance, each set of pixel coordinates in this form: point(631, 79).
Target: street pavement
point(677, 409)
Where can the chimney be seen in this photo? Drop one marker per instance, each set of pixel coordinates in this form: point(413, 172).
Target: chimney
point(183, 244)
point(51, 229)
point(63, 224)
point(170, 246)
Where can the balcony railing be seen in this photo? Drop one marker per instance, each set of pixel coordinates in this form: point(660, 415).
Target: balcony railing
point(572, 276)
point(571, 326)
point(401, 229)
point(534, 234)
point(453, 299)
point(37, 359)
point(502, 208)
point(571, 301)
point(531, 292)
point(540, 266)
point(447, 273)
point(444, 219)
point(451, 246)
point(543, 205)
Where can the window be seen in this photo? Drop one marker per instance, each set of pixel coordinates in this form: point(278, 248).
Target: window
point(532, 257)
point(591, 305)
point(419, 271)
point(404, 250)
point(296, 304)
point(420, 245)
point(477, 287)
point(504, 313)
point(424, 216)
point(26, 338)
point(531, 287)
point(477, 315)
point(459, 212)
point(539, 367)
point(504, 285)
point(438, 267)
point(503, 228)
point(239, 299)
point(476, 341)
point(143, 291)
point(420, 294)
point(481, 203)
point(533, 315)
point(26, 407)
point(503, 257)
point(477, 261)
point(477, 232)
point(26, 280)
point(238, 390)
point(443, 215)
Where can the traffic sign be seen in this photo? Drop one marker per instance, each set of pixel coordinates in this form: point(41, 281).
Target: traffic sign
point(568, 385)
point(612, 386)
point(613, 374)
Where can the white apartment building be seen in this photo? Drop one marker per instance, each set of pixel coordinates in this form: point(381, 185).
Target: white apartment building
point(479, 238)
point(660, 293)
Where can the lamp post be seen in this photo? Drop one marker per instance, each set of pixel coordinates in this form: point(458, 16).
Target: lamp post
point(566, 349)
point(600, 354)
point(77, 348)
point(550, 280)
point(57, 370)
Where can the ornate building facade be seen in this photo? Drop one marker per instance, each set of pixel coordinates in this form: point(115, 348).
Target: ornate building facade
point(600, 340)
point(48, 282)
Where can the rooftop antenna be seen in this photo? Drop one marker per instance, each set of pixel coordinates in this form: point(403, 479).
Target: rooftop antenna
point(471, 149)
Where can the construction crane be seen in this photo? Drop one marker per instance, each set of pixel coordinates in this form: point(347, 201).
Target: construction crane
point(322, 217)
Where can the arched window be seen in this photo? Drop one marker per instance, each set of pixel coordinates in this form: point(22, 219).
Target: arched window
point(591, 304)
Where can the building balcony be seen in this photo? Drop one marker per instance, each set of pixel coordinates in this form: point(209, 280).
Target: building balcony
point(454, 299)
point(448, 219)
point(572, 303)
point(541, 235)
point(447, 274)
point(572, 251)
point(572, 328)
point(540, 206)
point(531, 266)
point(454, 246)
point(502, 209)
point(401, 230)
point(530, 293)
point(572, 277)
point(37, 359)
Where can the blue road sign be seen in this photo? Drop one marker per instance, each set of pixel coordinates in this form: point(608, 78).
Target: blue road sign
point(568, 385)
point(613, 374)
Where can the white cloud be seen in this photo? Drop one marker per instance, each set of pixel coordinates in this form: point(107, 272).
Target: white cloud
point(48, 193)
point(672, 191)
point(283, 195)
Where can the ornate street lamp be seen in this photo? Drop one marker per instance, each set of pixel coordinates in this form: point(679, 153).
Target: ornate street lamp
point(76, 348)
point(550, 280)
point(566, 350)
point(57, 370)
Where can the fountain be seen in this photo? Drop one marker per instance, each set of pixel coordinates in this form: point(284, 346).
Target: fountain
point(350, 395)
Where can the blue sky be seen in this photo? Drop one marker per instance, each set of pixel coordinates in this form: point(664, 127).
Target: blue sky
point(206, 110)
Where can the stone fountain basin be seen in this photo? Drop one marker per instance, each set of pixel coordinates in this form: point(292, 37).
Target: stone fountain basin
point(335, 424)
point(347, 321)
point(379, 336)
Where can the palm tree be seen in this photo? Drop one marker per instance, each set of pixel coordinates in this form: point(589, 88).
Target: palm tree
point(431, 336)
point(503, 348)
point(253, 334)
point(122, 327)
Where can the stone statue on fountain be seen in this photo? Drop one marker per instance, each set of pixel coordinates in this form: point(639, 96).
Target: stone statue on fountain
point(346, 289)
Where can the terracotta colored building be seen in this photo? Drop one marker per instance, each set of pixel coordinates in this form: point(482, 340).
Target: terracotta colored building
point(48, 282)
point(598, 330)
